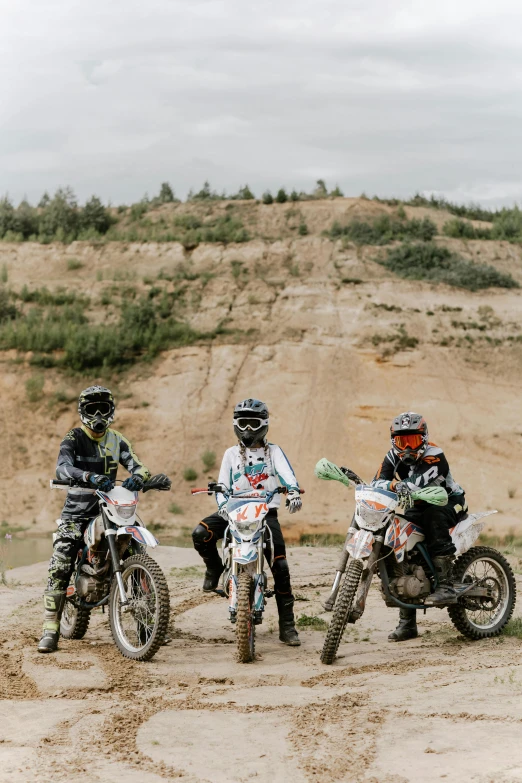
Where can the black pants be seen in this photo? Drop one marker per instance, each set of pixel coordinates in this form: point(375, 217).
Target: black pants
point(212, 528)
point(435, 522)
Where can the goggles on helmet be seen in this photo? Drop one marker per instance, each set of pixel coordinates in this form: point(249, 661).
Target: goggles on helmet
point(101, 407)
point(403, 442)
point(249, 424)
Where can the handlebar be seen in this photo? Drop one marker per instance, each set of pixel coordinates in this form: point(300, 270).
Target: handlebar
point(220, 489)
point(158, 482)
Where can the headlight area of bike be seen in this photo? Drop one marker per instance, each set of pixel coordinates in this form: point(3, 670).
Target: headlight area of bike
point(247, 529)
point(121, 514)
point(369, 518)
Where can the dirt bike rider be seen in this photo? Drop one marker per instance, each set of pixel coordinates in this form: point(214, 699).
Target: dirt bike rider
point(91, 454)
point(414, 462)
point(253, 463)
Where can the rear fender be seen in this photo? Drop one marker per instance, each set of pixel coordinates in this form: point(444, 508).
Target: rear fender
point(466, 532)
point(139, 534)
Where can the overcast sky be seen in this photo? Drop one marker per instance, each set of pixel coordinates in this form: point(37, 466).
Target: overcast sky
point(384, 96)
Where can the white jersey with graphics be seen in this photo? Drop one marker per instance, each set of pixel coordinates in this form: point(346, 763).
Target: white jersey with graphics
point(256, 469)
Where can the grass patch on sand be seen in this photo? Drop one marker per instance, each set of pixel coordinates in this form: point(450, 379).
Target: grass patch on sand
point(321, 539)
point(311, 623)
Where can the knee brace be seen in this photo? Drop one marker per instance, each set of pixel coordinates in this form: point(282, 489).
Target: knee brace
point(202, 537)
point(281, 574)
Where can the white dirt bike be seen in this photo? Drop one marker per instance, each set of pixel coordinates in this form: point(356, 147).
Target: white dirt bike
point(109, 572)
point(246, 543)
point(382, 540)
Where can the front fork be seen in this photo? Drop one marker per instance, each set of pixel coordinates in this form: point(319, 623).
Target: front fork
point(110, 535)
point(366, 580)
point(341, 568)
point(259, 589)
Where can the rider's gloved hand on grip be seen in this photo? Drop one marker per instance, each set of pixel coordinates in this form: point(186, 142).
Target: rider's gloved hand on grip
point(402, 488)
point(293, 501)
point(101, 482)
point(133, 483)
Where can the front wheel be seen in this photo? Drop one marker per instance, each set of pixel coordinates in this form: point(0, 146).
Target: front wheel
point(74, 621)
point(140, 627)
point(341, 611)
point(245, 627)
point(482, 618)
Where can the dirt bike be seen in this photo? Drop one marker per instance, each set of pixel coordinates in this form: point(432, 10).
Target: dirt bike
point(382, 540)
point(246, 542)
point(114, 570)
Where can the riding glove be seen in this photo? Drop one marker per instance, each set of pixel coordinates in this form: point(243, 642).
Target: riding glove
point(293, 501)
point(101, 482)
point(133, 483)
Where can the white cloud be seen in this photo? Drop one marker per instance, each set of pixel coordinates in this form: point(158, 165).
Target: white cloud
point(382, 97)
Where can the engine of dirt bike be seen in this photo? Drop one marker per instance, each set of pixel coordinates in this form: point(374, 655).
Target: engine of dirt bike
point(93, 581)
point(411, 584)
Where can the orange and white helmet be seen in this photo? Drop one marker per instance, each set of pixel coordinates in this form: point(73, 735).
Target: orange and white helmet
point(409, 436)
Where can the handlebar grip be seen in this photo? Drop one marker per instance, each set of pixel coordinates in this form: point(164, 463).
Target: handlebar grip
point(201, 489)
point(60, 482)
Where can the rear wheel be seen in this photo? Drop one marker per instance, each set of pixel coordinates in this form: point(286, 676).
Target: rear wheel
point(481, 618)
point(74, 621)
point(139, 628)
point(245, 627)
point(341, 611)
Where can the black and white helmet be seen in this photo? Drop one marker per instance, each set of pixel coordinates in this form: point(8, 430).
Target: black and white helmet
point(409, 436)
point(96, 408)
point(251, 421)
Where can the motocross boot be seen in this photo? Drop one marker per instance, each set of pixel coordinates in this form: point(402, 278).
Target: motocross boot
point(407, 628)
point(445, 592)
point(214, 570)
point(54, 601)
point(287, 632)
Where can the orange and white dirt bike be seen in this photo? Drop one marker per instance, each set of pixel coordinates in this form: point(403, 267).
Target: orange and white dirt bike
point(383, 541)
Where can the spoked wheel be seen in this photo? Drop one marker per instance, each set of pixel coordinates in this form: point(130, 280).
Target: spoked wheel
point(341, 611)
point(139, 629)
point(74, 621)
point(481, 618)
point(245, 628)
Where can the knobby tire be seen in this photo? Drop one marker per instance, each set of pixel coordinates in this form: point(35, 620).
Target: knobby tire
point(77, 628)
point(341, 611)
point(457, 612)
point(163, 611)
point(245, 628)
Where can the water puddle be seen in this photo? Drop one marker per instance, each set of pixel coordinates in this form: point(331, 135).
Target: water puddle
point(17, 552)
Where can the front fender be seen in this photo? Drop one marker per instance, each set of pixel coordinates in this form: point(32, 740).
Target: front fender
point(139, 534)
point(244, 553)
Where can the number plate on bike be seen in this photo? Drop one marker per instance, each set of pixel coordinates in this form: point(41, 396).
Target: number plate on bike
point(360, 544)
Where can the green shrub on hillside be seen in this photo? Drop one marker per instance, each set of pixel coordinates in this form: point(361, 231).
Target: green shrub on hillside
point(267, 197)
point(8, 311)
point(384, 229)
point(507, 224)
point(463, 229)
point(144, 328)
point(428, 261)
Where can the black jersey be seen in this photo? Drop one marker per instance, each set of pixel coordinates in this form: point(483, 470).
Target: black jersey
point(432, 469)
point(81, 454)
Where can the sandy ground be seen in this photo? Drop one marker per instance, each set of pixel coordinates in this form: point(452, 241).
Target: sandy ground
point(431, 709)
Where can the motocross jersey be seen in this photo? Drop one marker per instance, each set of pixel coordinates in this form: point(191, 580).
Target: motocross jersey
point(81, 454)
point(266, 467)
point(432, 469)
